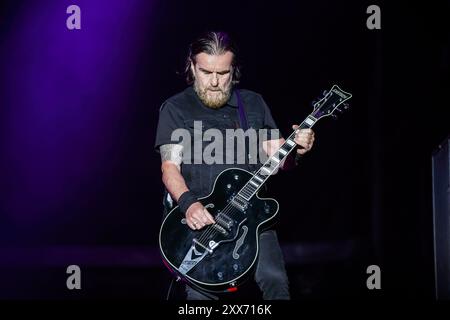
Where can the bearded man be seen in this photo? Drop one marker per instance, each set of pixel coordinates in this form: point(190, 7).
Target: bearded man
point(212, 73)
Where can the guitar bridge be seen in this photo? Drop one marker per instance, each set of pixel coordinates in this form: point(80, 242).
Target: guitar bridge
point(221, 229)
point(201, 245)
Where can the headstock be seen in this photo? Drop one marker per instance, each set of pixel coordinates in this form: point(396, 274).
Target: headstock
point(331, 103)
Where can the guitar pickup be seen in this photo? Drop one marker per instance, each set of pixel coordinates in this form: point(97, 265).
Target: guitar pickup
point(219, 228)
point(225, 221)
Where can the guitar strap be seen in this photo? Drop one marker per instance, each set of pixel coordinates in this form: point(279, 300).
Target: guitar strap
point(241, 111)
point(244, 125)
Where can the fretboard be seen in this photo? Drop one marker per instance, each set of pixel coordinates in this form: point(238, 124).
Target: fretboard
point(272, 164)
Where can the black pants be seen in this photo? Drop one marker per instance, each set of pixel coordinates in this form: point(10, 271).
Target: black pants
point(270, 272)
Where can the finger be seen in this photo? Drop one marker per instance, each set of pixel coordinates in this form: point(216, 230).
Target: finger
point(190, 225)
point(302, 142)
point(203, 218)
point(294, 126)
point(305, 141)
point(209, 217)
point(302, 151)
point(190, 220)
point(306, 131)
point(302, 134)
point(198, 224)
point(198, 217)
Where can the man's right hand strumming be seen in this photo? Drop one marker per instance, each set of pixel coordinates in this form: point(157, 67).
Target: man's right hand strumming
point(198, 217)
point(196, 214)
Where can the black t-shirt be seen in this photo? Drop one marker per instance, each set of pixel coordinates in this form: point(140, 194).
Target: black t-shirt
point(185, 111)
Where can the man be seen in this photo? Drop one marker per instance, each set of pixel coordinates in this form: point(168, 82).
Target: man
point(213, 71)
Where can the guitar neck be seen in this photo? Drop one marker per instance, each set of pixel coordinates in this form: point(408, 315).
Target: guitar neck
point(272, 164)
point(328, 105)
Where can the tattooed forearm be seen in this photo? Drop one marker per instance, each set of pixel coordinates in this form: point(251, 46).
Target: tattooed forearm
point(172, 152)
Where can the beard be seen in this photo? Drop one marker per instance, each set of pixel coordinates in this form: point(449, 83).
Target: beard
point(213, 101)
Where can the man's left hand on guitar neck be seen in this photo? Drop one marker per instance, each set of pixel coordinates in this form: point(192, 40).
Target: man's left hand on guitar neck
point(304, 138)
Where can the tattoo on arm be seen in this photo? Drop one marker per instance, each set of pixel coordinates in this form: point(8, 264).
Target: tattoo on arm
point(172, 152)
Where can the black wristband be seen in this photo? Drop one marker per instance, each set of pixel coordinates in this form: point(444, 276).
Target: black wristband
point(185, 200)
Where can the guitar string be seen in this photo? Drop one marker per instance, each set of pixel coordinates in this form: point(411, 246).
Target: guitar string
point(211, 231)
point(229, 209)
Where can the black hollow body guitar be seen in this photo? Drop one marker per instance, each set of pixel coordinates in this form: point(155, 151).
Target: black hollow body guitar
point(220, 256)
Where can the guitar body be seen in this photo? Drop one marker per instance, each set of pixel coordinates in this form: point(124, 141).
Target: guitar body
point(226, 252)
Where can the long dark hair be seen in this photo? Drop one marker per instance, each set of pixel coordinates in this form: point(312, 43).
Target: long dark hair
point(213, 43)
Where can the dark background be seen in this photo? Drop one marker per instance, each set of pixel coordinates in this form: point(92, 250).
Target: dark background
point(81, 181)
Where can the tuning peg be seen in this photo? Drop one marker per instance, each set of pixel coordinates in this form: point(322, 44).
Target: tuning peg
point(346, 105)
point(324, 93)
point(334, 116)
point(314, 102)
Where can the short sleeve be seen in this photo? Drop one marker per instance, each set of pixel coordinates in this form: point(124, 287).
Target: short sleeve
point(170, 119)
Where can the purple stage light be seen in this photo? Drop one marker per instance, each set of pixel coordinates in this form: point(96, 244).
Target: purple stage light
point(65, 100)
